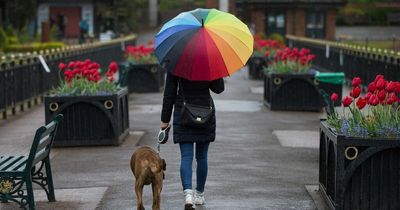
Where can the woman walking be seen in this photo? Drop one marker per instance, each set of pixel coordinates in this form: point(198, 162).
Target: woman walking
point(192, 140)
point(198, 48)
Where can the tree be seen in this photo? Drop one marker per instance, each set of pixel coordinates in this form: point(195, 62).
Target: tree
point(19, 12)
point(130, 14)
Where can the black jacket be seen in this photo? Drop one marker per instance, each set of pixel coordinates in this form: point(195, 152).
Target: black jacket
point(196, 92)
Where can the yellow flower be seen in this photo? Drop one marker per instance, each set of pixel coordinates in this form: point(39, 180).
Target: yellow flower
point(6, 186)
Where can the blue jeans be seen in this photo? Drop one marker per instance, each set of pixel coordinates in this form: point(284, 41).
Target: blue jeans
point(186, 165)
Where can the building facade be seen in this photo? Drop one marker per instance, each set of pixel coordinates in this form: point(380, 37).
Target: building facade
point(66, 16)
point(306, 18)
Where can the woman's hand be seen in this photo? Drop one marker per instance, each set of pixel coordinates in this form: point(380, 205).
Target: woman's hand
point(164, 125)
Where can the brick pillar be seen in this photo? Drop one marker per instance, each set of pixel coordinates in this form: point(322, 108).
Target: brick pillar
point(330, 25)
point(212, 4)
point(232, 7)
point(300, 22)
point(45, 31)
point(290, 22)
point(258, 18)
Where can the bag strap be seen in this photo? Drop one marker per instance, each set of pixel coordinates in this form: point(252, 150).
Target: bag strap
point(183, 93)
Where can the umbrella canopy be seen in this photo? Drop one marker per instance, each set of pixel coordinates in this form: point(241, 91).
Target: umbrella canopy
point(203, 45)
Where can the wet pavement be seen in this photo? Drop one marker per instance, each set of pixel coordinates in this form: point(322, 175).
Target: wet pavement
point(248, 166)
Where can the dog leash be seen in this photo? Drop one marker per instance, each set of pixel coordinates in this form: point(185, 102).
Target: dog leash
point(162, 137)
point(158, 147)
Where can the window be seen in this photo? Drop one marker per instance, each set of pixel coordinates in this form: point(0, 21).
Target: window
point(315, 25)
point(276, 23)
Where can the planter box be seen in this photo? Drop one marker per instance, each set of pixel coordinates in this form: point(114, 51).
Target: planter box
point(89, 120)
point(359, 173)
point(294, 92)
point(142, 78)
point(256, 65)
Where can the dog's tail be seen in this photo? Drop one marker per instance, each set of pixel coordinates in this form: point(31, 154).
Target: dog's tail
point(156, 167)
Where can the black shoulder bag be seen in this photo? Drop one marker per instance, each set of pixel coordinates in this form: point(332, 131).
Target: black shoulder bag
point(193, 115)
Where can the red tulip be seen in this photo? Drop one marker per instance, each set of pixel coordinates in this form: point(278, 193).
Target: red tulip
point(390, 87)
point(310, 57)
point(380, 84)
point(355, 92)
point(87, 61)
point(266, 54)
point(71, 65)
point(361, 103)
point(369, 94)
point(113, 66)
point(397, 88)
point(62, 66)
point(371, 87)
point(334, 97)
point(392, 98)
point(78, 64)
point(67, 73)
point(382, 95)
point(356, 81)
point(378, 77)
point(373, 100)
point(347, 101)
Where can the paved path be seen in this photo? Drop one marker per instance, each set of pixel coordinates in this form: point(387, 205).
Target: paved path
point(248, 167)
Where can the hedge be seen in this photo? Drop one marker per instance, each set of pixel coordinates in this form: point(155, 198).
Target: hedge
point(36, 46)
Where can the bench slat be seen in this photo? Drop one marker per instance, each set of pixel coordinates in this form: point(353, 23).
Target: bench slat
point(4, 159)
point(19, 165)
point(40, 156)
point(50, 128)
point(43, 143)
point(9, 162)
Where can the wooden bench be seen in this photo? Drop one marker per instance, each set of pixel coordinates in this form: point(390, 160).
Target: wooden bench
point(19, 171)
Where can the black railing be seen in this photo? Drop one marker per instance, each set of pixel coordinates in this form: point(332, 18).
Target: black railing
point(354, 61)
point(24, 81)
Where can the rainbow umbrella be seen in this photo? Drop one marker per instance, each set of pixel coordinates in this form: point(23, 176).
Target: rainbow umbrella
point(203, 45)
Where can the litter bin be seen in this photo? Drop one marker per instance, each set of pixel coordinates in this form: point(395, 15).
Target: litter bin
point(331, 82)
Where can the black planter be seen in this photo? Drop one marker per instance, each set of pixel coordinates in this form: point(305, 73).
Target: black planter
point(294, 92)
point(142, 78)
point(89, 120)
point(359, 173)
point(256, 66)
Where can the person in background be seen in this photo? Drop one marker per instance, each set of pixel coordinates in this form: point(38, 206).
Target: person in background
point(83, 26)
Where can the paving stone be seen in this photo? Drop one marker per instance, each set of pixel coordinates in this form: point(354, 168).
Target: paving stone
point(66, 199)
point(296, 138)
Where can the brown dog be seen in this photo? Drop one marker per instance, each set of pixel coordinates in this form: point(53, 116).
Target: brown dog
point(148, 168)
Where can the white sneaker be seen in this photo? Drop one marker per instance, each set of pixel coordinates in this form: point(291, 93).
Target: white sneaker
point(199, 198)
point(188, 196)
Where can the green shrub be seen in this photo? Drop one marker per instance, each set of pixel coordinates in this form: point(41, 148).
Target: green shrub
point(277, 37)
point(352, 11)
point(12, 40)
point(53, 33)
point(3, 38)
point(33, 47)
point(23, 35)
point(261, 35)
point(51, 45)
point(10, 31)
